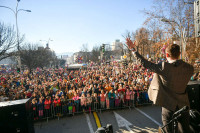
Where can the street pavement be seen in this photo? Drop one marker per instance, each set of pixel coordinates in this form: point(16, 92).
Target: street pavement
point(145, 119)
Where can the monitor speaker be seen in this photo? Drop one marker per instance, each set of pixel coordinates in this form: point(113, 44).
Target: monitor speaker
point(16, 116)
point(193, 89)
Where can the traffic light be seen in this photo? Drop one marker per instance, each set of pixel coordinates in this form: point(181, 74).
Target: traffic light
point(197, 18)
point(103, 48)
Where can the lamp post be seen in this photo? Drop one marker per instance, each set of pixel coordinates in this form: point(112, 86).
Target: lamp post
point(180, 30)
point(17, 29)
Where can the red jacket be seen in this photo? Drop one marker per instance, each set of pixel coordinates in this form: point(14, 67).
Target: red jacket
point(121, 90)
point(47, 104)
point(57, 102)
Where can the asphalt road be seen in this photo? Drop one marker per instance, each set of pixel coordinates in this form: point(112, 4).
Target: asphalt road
point(144, 119)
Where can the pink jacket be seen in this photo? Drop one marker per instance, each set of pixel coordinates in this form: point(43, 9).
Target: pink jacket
point(75, 98)
point(132, 95)
point(128, 95)
point(83, 101)
point(103, 97)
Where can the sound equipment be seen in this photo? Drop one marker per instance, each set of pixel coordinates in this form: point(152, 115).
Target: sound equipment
point(195, 120)
point(185, 108)
point(174, 121)
point(16, 116)
point(107, 129)
point(193, 89)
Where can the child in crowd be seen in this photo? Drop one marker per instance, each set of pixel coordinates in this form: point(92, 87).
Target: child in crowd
point(83, 102)
point(34, 106)
point(107, 101)
point(137, 94)
point(70, 106)
point(111, 96)
point(117, 99)
point(63, 100)
point(57, 105)
point(102, 99)
point(70, 95)
point(47, 105)
point(121, 95)
point(76, 101)
point(89, 102)
point(132, 96)
point(40, 107)
point(128, 97)
point(95, 101)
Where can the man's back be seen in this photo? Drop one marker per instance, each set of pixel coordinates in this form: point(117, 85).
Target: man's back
point(168, 87)
point(177, 75)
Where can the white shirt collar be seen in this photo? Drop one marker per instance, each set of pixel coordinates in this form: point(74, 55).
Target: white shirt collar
point(172, 61)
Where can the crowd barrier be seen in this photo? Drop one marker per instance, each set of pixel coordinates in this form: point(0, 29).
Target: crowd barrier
point(71, 107)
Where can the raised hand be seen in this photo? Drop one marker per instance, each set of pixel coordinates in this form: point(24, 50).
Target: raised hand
point(130, 44)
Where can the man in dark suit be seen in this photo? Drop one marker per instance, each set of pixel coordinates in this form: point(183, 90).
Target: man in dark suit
point(168, 87)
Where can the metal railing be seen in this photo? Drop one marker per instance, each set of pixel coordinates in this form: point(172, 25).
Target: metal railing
point(71, 107)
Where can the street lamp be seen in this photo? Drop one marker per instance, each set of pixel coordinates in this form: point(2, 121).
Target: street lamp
point(47, 41)
point(17, 29)
point(180, 29)
point(186, 3)
point(170, 22)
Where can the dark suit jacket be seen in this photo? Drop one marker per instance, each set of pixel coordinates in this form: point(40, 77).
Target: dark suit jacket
point(168, 86)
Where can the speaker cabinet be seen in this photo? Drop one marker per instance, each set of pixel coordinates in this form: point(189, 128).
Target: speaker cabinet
point(16, 116)
point(193, 88)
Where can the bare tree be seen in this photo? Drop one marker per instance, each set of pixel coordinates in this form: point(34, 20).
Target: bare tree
point(142, 37)
point(156, 34)
point(44, 57)
point(62, 62)
point(84, 48)
point(175, 19)
point(7, 41)
point(95, 53)
point(29, 56)
point(33, 56)
point(84, 53)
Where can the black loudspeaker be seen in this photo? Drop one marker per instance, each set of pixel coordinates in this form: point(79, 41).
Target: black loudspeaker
point(16, 116)
point(193, 89)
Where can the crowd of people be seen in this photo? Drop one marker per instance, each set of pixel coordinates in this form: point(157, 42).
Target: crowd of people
point(102, 86)
point(196, 76)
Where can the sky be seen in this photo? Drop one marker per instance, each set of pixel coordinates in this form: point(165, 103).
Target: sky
point(72, 23)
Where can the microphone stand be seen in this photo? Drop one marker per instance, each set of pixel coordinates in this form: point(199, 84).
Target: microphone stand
point(175, 123)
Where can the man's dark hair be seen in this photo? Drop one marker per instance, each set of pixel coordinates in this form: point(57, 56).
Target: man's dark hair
point(173, 50)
